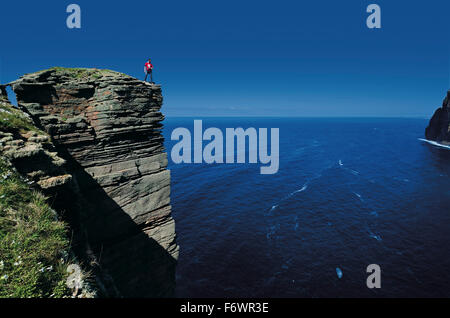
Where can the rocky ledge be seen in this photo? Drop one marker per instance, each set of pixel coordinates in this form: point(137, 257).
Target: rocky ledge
point(106, 141)
point(439, 128)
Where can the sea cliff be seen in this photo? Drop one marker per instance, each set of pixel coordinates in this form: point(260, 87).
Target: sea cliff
point(104, 167)
point(439, 127)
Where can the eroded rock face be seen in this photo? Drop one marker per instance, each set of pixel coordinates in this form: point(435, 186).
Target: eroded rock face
point(107, 126)
point(35, 157)
point(439, 127)
point(3, 94)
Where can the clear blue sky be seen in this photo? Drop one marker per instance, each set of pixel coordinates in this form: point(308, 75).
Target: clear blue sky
point(247, 58)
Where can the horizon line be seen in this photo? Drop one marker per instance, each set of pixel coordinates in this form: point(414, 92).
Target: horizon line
point(281, 116)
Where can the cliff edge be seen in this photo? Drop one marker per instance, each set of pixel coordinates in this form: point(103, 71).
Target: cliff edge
point(106, 130)
point(439, 126)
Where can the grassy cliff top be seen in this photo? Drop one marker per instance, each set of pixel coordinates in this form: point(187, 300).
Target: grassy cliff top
point(77, 74)
point(83, 73)
point(58, 74)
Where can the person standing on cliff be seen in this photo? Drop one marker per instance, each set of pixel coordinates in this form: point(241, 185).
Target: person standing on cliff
point(148, 70)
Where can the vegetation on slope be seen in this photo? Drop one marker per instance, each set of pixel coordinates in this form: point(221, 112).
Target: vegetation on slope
point(33, 242)
point(13, 120)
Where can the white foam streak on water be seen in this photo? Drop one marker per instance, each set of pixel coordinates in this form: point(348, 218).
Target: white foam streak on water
point(358, 195)
point(377, 237)
point(274, 207)
point(303, 188)
point(434, 143)
point(300, 190)
point(339, 272)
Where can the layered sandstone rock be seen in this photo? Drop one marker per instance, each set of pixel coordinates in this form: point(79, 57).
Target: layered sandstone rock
point(107, 126)
point(34, 156)
point(439, 127)
point(29, 149)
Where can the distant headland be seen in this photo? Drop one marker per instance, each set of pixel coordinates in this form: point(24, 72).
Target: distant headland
point(438, 129)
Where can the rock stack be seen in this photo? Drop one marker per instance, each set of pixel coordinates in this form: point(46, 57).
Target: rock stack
point(107, 126)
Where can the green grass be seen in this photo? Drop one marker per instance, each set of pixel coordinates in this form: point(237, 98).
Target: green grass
point(13, 120)
point(33, 242)
point(84, 73)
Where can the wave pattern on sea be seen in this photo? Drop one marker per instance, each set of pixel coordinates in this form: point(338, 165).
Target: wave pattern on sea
point(346, 195)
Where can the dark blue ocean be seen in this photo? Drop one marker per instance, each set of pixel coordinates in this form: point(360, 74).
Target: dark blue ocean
point(349, 193)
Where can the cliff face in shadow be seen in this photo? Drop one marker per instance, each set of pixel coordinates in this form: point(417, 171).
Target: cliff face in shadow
point(107, 128)
point(439, 127)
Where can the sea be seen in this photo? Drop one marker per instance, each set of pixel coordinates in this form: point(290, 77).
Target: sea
point(350, 192)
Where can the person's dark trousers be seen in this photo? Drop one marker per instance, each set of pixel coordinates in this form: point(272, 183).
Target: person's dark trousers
point(151, 76)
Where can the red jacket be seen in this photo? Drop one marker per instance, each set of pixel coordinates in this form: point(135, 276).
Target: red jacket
point(148, 66)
